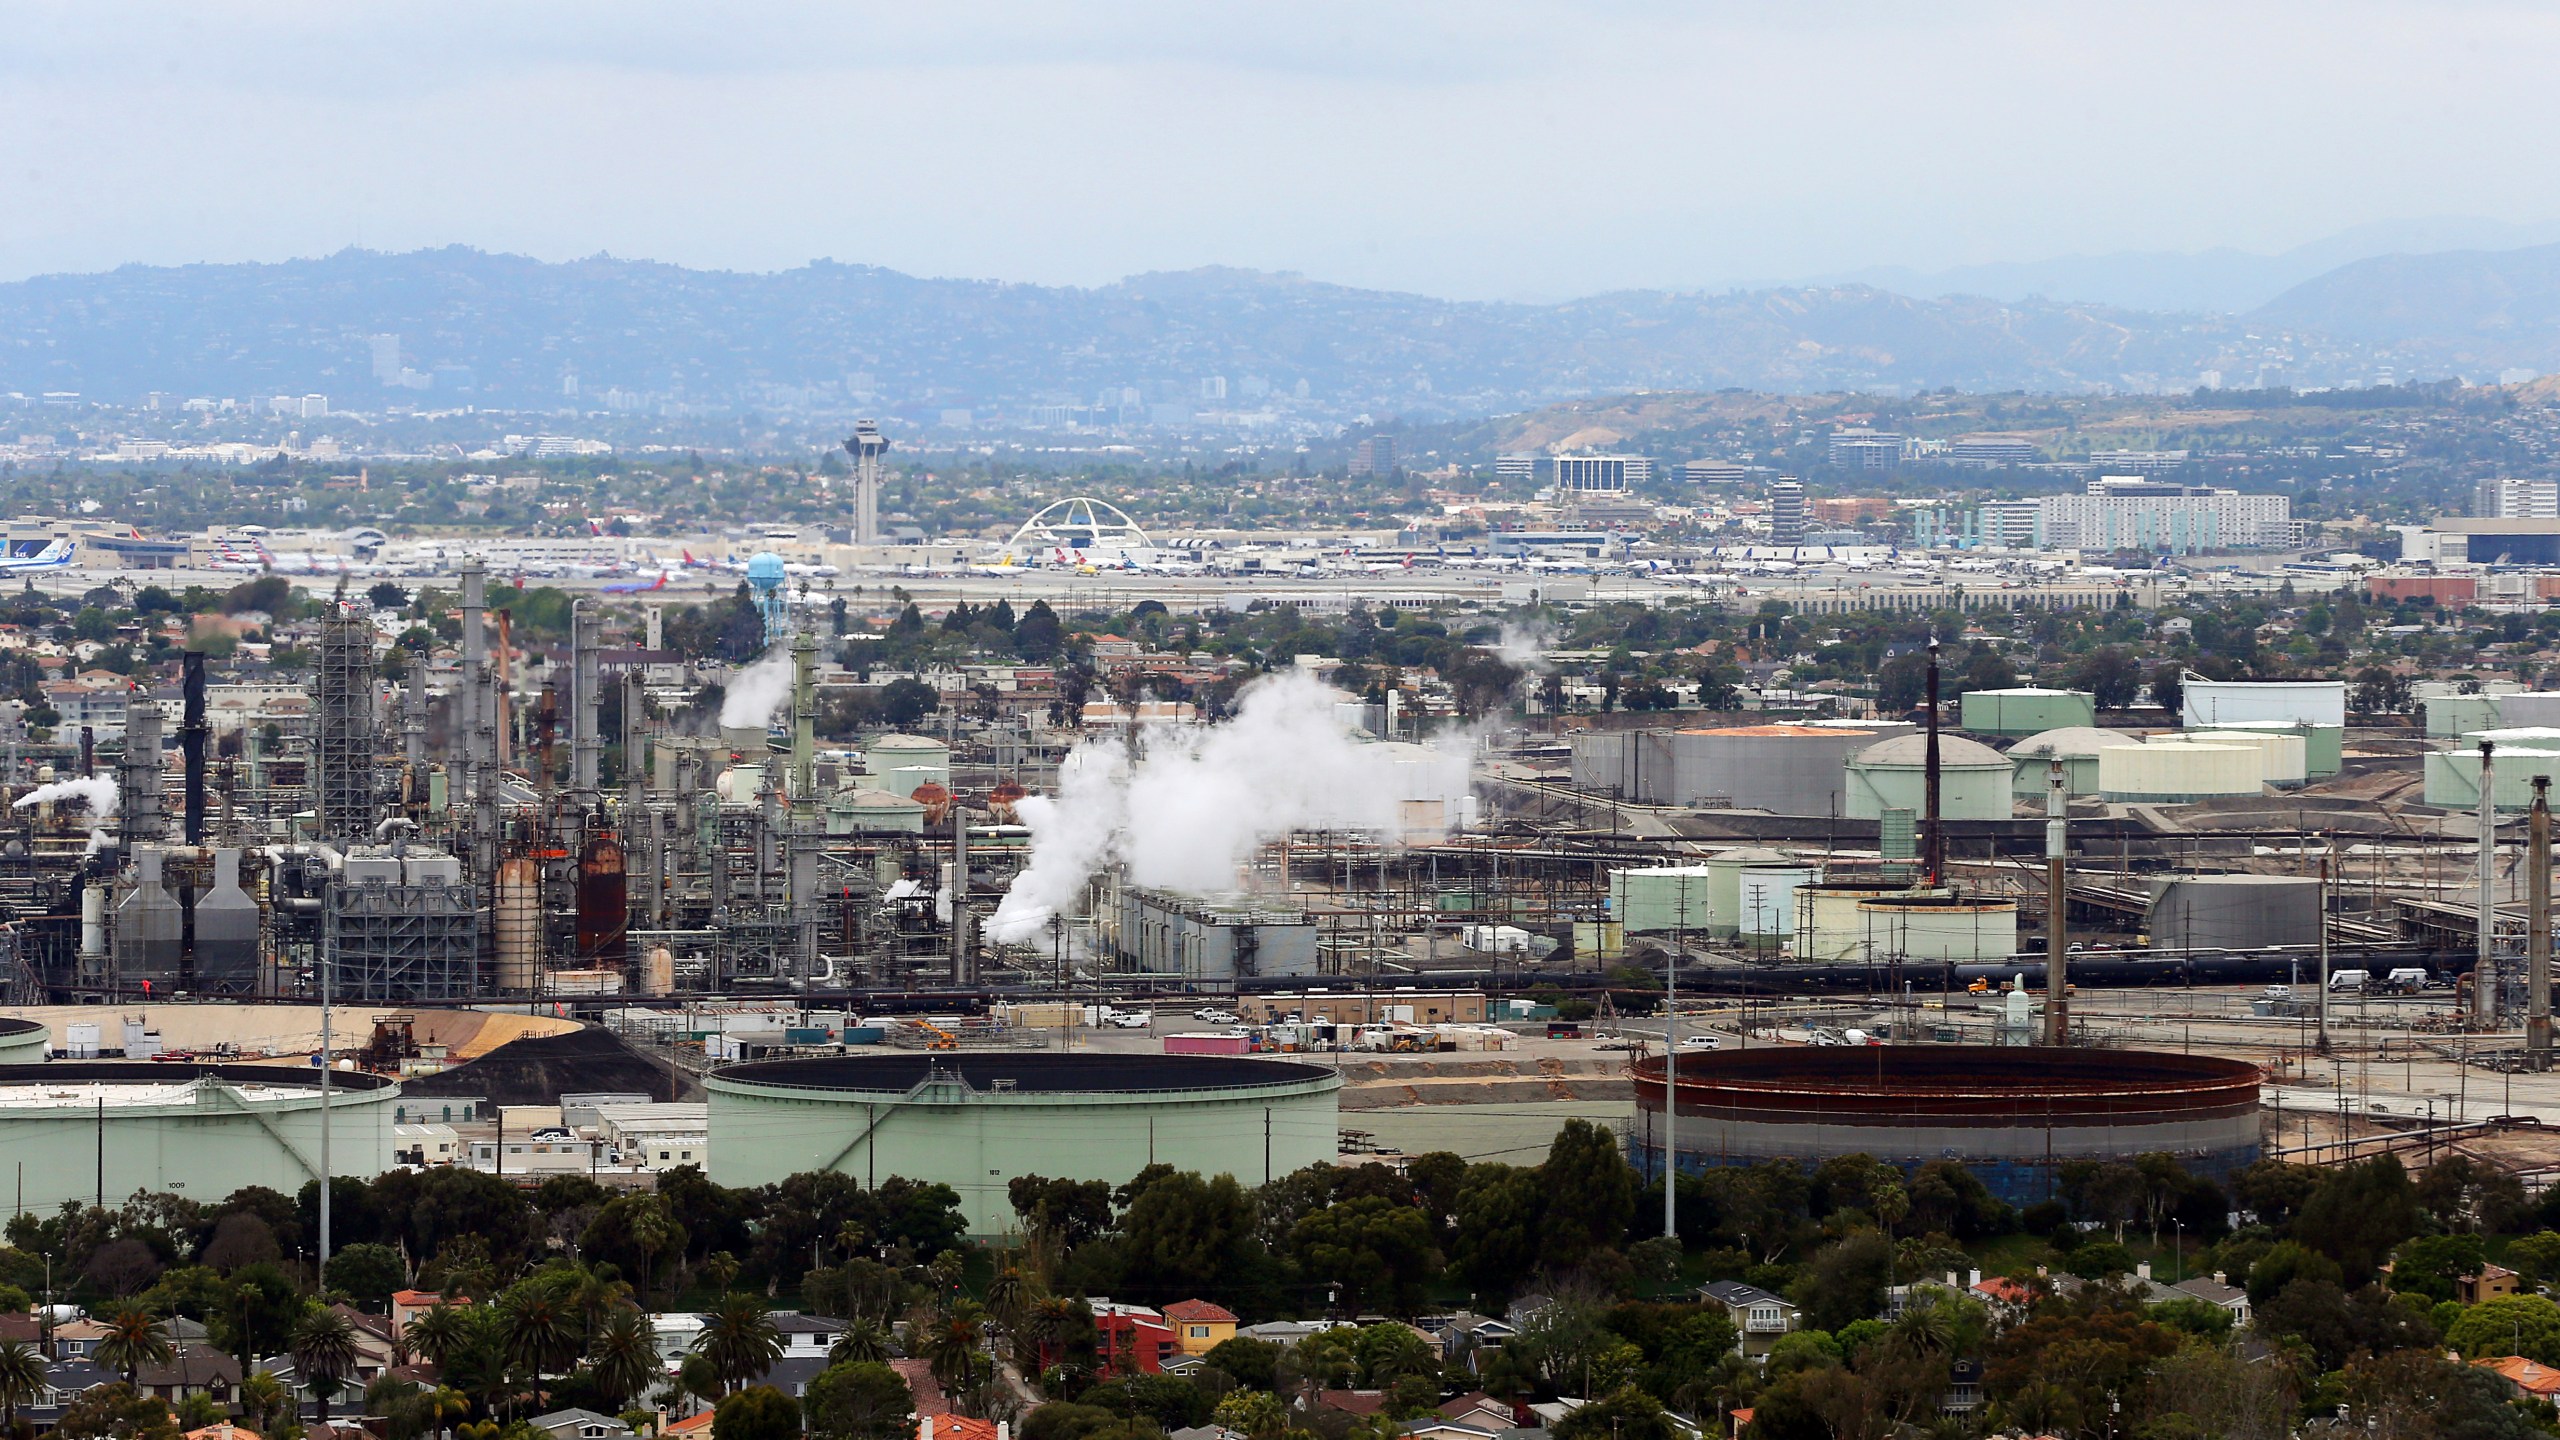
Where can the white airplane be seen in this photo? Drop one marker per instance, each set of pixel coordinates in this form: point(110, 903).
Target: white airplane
point(259, 560)
point(56, 555)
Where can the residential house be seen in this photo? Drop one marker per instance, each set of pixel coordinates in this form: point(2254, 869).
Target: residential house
point(1130, 1340)
point(1759, 1317)
point(2531, 1380)
point(1964, 1387)
point(2492, 1282)
point(1199, 1326)
point(1469, 1340)
point(408, 1305)
point(575, 1424)
point(1481, 1411)
point(75, 1339)
point(224, 1430)
point(1434, 1428)
point(1286, 1333)
point(960, 1427)
point(191, 1370)
point(2218, 1291)
point(1359, 1404)
point(806, 1334)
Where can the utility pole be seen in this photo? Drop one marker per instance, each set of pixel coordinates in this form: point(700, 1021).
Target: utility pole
point(2537, 919)
point(2057, 908)
point(2483, 1003)
point(2323, 1043)
point(1671, 1061)
point(1933, 848)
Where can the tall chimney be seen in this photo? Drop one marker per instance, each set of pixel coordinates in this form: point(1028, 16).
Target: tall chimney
point(1934, 845)
point(2483, 964)
point(2537, 919)
point(192, 732)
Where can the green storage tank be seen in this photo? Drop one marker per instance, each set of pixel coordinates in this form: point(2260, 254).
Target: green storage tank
point(2026, 710)
point(1665, 899)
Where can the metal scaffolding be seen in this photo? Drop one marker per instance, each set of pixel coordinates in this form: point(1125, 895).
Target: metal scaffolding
point(343, 738)
point(402, 942)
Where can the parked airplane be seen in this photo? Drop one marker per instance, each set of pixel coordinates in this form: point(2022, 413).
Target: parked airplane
point(634, 587)
point(55, 555)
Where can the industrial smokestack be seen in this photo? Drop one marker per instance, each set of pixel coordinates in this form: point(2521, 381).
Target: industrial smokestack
point(144, 811)
point(192, 734)
point(2057, 908)
point(2483, 963)
point(586, 718)
point(2537, 919)
point(1934, 845)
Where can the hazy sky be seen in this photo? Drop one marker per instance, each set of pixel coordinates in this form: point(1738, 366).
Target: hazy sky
point(1474, 149)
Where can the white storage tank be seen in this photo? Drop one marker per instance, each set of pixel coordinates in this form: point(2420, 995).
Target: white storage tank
point(2206, 703)
point(1768, 895)
point(2175, 773)
point(2451, 715)
point(2529, 708)
point(2453, 776)
point(2283, 757)
point(2076, 746)
point(889, 755)
point(1973, 779)
point(1724, 884)
point(2323, 746)
point(1919, 927)
point(1828, 923)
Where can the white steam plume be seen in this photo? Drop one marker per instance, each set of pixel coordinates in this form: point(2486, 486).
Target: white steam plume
point(1189, 813)
point(97, 792)
point(753, 694)
point(1525, 645)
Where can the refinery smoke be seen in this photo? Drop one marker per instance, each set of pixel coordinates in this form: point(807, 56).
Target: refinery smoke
point(1191, 810)
point(97, 792)
point(755, 693)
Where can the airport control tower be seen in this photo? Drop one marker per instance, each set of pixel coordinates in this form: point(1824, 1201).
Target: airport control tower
point(866, 447)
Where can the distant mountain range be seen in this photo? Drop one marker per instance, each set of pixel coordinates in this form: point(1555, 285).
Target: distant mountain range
point(501, 331)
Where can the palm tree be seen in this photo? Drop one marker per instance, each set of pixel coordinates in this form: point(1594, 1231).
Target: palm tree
point(1007, 1294)
point(625, 1355)
point(440, 1407)
point(134, 1338)
point(596, 1296)
point(324, 1353)
point(539, 1335)
point(435, 1334)
point(863, 1342)
point(262, 1401)
point(740, 1341)
point(956, 1350)
point(21, 1375)
point(652, 1231)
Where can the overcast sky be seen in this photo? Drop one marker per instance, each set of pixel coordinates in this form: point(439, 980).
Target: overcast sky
point(1474, 149)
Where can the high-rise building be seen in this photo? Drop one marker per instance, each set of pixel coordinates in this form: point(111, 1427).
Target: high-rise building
point(1523, 468)
point(2509, 499)
point(386, 359)
point(1714, 472)
point(1859, 448)
point(1604, 474)
point(1375, 455)
point(2123, 512)
point(1786, 512)
point(1987, 451)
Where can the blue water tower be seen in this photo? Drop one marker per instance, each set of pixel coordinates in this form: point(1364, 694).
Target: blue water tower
point(765, 574)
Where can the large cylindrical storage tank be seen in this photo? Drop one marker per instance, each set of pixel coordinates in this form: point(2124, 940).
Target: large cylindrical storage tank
point(2323, 746)
point(975, 1120)
point(24, 1042)
point(2026, 710)
point(2451, 715)
point(889, 756)
point(2283, 758)
point(2207, 703)
point(658, 972)
point(2012, 1115)
point(2453, 776)
point(1768, 900)
point(1921, 927)
point(2174, 773)
point(1783, 769)
point(1724, 884)
point(865, 811)
point(1973, 779)
point(2529, 708)
point(2233, 912)
point(517, 924)
point(2077, 747)
point(1827, 924)
point(1669, 898)
point(197, 1131)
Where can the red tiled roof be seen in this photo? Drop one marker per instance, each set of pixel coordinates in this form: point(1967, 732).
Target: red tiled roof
point(920, 1383)
point(2526, 1375)
point(1201, 1311)
point(1352, 1402)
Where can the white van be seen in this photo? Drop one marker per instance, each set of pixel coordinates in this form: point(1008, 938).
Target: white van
point(2349, 979)
point(2406, 981)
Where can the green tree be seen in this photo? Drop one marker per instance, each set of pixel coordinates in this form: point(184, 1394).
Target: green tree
point(860, 1400)
point(739, 1339)
point(22, 1373)
point(1626, 1413)
point(116, 1412)
point(2360, 1215)
point(864, 1342)
point(1591, 1195)
point(1184, 1235)
point(1845, 1280)
point(1257, 1413)
point(1248, 1361)
point(2526, 1325)
point(624, 1356)
point(134, 1338)
point(1379, 1251)
point(758, 1412)
point(1494, 1245)
point(541, 1333)
point(324, 1354)
point(367, 1273)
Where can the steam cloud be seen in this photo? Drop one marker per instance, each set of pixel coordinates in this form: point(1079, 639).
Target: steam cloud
point(1525, 645)
point(755, 693)
point(1190, 812)
point(97, 792)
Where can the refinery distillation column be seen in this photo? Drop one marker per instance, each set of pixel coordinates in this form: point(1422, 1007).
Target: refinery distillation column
point(866, 447)
point(2057, 911)
point(2537, 919)
point(2484, 1001)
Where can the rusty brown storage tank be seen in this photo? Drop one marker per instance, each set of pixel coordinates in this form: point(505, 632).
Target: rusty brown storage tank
point(2010, 1114)
point(604, 904)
